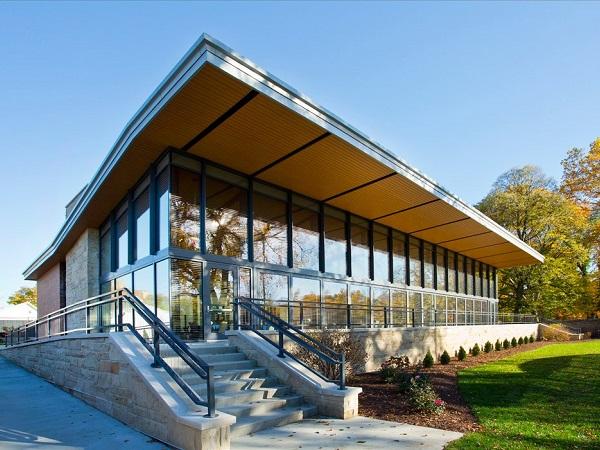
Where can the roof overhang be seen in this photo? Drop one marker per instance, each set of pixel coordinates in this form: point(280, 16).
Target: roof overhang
point(220, 106)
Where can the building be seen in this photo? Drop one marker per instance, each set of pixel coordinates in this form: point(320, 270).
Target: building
point(228, 182)
point(13, 316)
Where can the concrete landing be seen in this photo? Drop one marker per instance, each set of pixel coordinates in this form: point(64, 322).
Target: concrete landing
point(357, 433)
point(37, 415)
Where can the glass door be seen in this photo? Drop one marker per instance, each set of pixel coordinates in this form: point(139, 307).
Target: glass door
point(224, 283)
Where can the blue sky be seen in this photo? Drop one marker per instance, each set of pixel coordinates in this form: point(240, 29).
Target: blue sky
point(462, 91)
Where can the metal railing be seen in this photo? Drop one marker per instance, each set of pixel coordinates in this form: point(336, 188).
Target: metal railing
point(91, 314)
point(321, 315)
point(252, 314)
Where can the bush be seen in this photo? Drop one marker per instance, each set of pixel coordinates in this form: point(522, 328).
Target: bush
point(506, 344)
point(339, 341)
point(520, 341)
point(531, 339)
point(445, 358)
point(525, 340)
point(476, 350)
point(392, 368)
point(462, 354)
point(470, 350)
point(422, 397)
point(488, 347)
point(498, 345)
point(428, 360)
point(513, 342)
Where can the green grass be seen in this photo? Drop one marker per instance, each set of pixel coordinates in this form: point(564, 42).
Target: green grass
point(545, 398)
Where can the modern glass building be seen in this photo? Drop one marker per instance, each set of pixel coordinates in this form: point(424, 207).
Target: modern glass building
point(228, 183)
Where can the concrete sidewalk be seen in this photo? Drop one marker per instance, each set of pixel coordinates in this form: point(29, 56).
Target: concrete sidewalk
point(37, 415)
point(358, 433)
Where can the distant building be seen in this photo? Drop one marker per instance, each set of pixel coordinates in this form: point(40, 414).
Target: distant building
point(12, 316)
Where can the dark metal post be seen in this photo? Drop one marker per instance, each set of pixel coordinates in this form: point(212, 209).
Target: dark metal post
point(385, 317)
point(156, 343)
point(281, 354)
point(343, 372)
point(413, 317)
point(120, 313)
point(210, 391)
point(236, 314)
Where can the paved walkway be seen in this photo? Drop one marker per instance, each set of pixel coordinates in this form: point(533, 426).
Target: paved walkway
point(34, 414)
point(358, 433)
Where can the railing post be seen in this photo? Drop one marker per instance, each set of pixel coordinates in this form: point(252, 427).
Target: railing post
point(385, 317)
point(49, 328)
point(343, 372)
point(413, 317)
point(120, 313)
point(156, 344)
point(281, 354)
point(236, 314)
point(210, 392)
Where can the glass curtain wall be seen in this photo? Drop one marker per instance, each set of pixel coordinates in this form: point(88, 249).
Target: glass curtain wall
point(270, 225)
point(335, 241)
point(305, 234)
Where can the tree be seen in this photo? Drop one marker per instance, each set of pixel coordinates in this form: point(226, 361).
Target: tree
point(581, 183)
point(23, 295)
point(527, 203)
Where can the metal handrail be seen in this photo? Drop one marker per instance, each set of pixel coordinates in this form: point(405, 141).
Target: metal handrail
point(159, 330)
point(294, 333)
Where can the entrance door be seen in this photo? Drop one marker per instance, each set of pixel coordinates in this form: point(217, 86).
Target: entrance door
point(224, 283)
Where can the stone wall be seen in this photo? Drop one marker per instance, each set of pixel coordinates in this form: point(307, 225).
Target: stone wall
point(112, 373)
point(82, 269)
point(49, 296)
point(414, 342)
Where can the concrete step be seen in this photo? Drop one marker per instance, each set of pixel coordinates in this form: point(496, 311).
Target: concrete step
point(275, 418)
point(184, 369)
point(261, 407)
point(241, 374)
point(200, 348)
point(199, 384)
point(250, 395)
point(208, 359)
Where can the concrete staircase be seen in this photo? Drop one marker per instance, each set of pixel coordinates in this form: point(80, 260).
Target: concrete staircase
point(242, 389)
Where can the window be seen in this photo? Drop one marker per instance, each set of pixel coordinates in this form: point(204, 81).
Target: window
point(273, 288)
point(185, 209)
point(335, 241)
point(105, 254)
point(477, 278)
point(451, 310)
point(441, 269)
point(359, 301)
point(270, 225)
point(415, 262)
point(162, 290)
point(143, 283)
point(380, 306)
point(428, 265)
point(440, 309)
point(122, 240)
point(484, 277)
point(451, 271)
point(186, 298)
point(398, 309)
point(162, 188)
point(334, 305)
point(142, 224)
point(381, 254)
point(226, 214)
point(359, 241)
point(461, 274)
point(469, 269)
point(398, 258)
point(305, 234)
point(415, 309)
point(428, 307)
point(492, 282)
point(306, 299)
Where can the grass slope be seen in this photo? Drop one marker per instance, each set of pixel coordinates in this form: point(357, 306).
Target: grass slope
point(546, 398)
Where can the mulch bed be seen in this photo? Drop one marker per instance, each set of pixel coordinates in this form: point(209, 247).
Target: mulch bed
point(384, 401)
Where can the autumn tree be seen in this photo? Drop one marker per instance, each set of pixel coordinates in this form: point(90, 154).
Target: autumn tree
point(527, 203)
point(23, 295)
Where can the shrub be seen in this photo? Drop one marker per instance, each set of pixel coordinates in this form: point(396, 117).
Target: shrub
point(506, 344)
point(513, 342)
point(498, 345)
point(422, 397)
point(525, 340)
point(488, 347)
point(428, 360)
point(531, 339)
point(520, 341)
point(339, 341)
point(476, 350)
point(462, 354)
point(445, 358)
point(392, 368)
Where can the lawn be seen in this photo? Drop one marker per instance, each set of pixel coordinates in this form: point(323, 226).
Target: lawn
point(545, 398)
